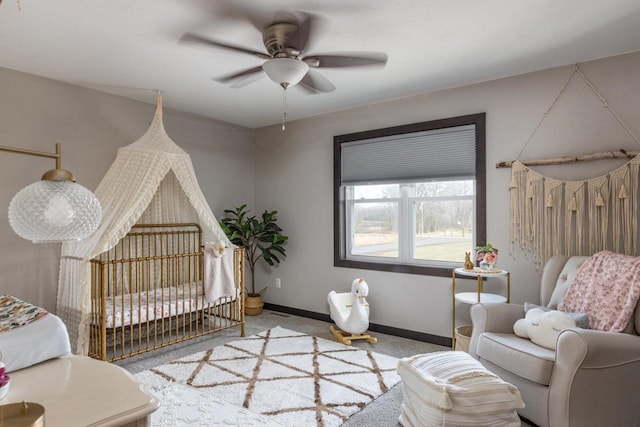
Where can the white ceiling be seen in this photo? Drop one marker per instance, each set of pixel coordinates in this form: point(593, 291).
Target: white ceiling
point(129, 47)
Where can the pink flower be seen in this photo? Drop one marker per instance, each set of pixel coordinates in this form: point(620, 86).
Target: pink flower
point(479, 256)
point(490, 257)
point(4, 379)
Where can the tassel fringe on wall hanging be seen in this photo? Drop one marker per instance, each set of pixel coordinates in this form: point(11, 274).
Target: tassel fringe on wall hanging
point(553, 217)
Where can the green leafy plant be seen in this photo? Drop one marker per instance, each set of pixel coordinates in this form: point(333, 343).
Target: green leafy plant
point(261, 238)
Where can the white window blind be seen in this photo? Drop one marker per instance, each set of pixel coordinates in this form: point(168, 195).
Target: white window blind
point(415, 156)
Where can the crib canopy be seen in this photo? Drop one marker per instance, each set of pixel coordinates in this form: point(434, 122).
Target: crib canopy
point(151, 181)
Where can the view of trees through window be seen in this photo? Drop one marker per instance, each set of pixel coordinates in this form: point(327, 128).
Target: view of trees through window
point(434, 219)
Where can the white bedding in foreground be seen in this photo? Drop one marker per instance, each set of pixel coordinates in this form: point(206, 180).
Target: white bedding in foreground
point(36, 342)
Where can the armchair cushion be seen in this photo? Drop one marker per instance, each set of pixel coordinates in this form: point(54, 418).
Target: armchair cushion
point(517, 355)
point(564, 278)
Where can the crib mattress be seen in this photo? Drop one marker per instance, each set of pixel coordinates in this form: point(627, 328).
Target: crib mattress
point(132, 309)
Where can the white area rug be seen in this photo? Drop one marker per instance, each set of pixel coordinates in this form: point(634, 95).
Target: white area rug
point(276, 376)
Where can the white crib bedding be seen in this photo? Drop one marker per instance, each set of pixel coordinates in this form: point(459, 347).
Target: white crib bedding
point(43, 339)
point(128, 309)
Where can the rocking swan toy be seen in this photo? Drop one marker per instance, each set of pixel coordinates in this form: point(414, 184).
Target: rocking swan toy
point(350, 311)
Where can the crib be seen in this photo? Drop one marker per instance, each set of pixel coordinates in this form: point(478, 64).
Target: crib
point(147, 292)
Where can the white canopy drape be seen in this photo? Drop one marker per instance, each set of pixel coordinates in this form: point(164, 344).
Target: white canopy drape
point(151, 181)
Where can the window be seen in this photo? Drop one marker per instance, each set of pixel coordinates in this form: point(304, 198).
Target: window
point(410, 198)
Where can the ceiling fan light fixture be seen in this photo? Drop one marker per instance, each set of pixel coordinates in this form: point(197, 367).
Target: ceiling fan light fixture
point(285, 71)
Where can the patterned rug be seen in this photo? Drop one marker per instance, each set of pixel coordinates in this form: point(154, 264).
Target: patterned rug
point(278, 375)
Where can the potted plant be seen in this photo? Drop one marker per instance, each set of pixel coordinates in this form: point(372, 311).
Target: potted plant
point(261, 238)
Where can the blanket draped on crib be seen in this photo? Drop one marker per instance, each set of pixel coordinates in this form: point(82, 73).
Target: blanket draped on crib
point(218, 273)
point(607, 288)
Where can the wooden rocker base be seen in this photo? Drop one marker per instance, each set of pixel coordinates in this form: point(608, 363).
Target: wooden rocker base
point(346, 338)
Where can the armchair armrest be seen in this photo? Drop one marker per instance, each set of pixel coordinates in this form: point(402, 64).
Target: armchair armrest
point(603, 349)
point(492, 317)
point(595, 379)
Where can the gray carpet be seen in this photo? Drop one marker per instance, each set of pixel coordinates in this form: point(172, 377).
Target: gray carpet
point(382, 412)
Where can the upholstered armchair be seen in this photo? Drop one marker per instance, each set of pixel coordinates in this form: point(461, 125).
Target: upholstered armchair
point(591, 378)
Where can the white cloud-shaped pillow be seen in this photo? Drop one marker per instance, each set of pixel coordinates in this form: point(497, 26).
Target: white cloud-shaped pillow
point(543, 327)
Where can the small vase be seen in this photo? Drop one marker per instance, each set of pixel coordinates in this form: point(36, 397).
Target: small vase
point(486, 266)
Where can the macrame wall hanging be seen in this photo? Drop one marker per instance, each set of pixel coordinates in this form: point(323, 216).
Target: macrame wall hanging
point(553, 217)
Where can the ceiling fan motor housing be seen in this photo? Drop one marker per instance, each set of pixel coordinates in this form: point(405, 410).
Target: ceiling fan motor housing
point(275, 38)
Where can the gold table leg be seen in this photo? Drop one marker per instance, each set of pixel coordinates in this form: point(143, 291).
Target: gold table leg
point(453, 311)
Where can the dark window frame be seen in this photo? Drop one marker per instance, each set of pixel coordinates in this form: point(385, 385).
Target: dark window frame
point(339, 250)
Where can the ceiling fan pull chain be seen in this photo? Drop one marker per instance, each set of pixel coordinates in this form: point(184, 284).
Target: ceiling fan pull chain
point(284, 107)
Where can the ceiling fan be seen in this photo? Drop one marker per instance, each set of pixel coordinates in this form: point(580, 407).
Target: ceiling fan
point(286, 41)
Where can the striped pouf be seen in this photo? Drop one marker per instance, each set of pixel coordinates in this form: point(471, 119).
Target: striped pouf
point(451, 388)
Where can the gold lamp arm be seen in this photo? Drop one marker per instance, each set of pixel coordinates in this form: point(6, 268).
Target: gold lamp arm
point(57, 155)
point(56, 174)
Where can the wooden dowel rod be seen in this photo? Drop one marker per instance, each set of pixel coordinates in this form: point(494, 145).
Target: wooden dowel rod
point(620, 154)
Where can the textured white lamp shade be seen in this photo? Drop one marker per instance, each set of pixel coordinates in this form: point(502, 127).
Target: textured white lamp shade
point(54, 211)
point(285, 71)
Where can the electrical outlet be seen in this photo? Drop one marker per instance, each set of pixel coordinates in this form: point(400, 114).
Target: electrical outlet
point(278, 283)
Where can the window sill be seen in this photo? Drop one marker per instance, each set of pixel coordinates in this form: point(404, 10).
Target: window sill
point(395, 268)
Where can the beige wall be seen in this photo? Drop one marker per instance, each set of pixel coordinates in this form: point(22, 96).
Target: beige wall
point(36, 113)
point(294, 172)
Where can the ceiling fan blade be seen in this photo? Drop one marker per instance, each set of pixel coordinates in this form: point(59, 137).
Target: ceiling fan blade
point(316, 82)
point(247, 80)
point(237, 75)
point(236, 13)
point(362, 59)
point(195, 39)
